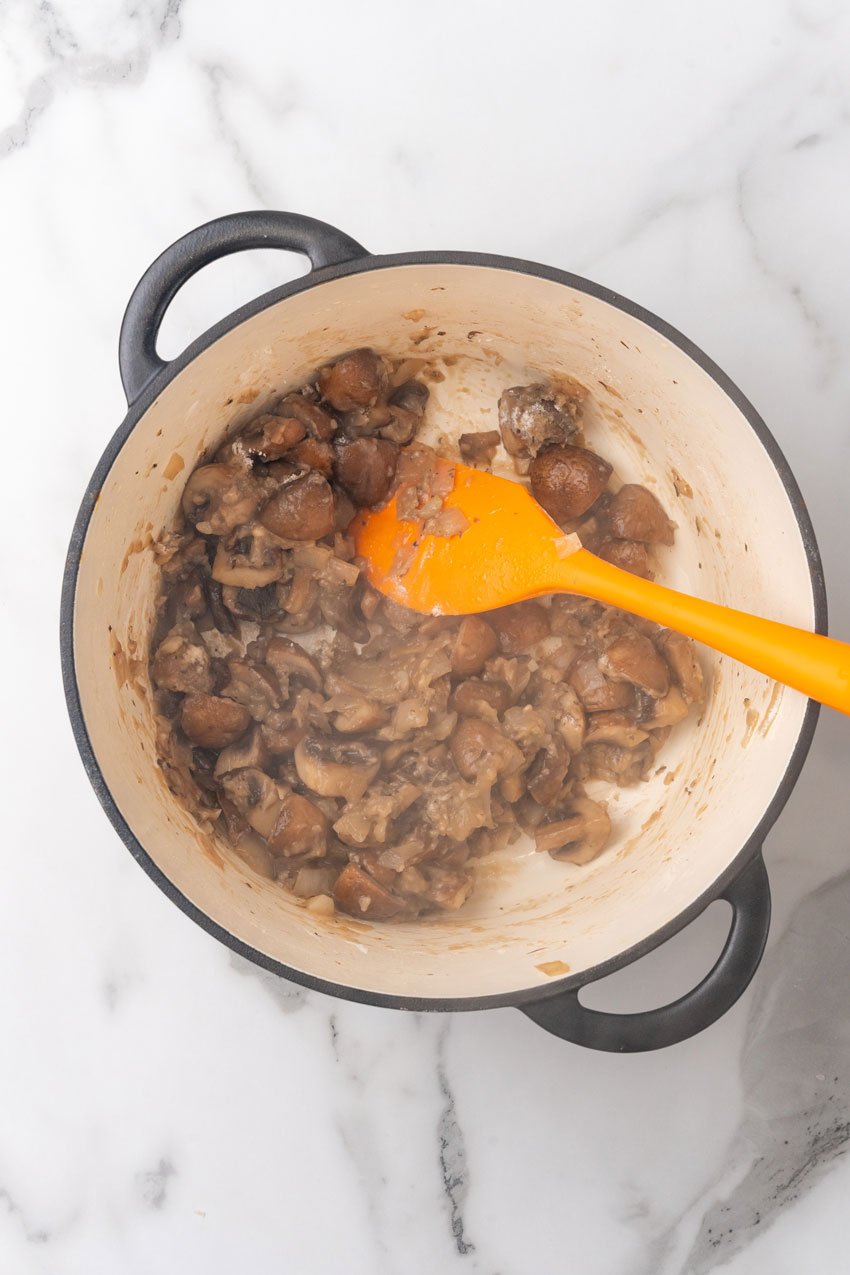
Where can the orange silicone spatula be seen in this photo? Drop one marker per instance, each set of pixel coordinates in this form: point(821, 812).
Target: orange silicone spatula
point(513, 550)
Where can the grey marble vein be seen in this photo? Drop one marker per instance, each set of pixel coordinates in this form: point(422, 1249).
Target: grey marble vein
point(796, 1077)
point(453, 1167)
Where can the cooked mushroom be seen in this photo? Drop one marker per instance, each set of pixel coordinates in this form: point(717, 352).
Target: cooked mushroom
point(636, 514)
point(475, 642)
point(290, 662)
point(254, 687)
point(359, 894)
point(249, 558)
point(218, 498)
point(618, 765)
point(250, 750)
point(300, 829)
point(406, 408)
point(533, 416)
point(479, 448)
point(354, 713)
point(614, 727)
point(271, 437)
point(301, 510)
point(680, 653)
point(312, 453)
point(355, 380)
point(182, 662)
point(255, 796)
point(446, 887)
point(367, 822)
point(580, 836)
point(520, 625)
point(561, 700)
point(336, 768)
point(281, 731)
point(668, 711)
point(567, 480)
point(258, 605)
point(213, 722)
point(633, 658)
point(318, 423)
point(476, 698)
point(481, 751)
point(365, 467)
point(594, 689)
point(547, 772)
point(631, 555)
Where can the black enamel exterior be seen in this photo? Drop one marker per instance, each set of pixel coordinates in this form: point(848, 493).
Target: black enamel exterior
point(743, 882)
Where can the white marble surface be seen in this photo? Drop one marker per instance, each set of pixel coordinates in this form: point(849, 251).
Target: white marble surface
point(167, 1107)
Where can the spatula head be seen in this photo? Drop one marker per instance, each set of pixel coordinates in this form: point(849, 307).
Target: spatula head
point(511, 549)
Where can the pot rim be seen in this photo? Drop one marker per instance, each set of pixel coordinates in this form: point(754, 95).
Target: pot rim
point(138, 408)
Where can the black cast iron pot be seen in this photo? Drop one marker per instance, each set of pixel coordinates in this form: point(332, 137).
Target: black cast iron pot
point(535, 932)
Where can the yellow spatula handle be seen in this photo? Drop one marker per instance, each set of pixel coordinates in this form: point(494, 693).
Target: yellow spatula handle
point(818, 666)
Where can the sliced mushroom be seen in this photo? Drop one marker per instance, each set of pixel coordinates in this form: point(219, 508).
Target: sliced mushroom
point(534, 416)
point(260, 605)
point(479, 448)
point(254, 687)
point(300, 829)
point(359, 894)
point(594, 689)
point(213, 722)
point(633, 658)
point(281, 731)
point(355, 380)
point(617, 765)
point(301, 510)
point(475, 642)
point(515, 674)
point(367, 822)
point(680, 653)
point(481, 751)
point(580, 836)
point(250, 750)
point(354, 713)
point(630, 555)
point(365, 468)
point(255, 796)
point(561, 700)
point(336, 768)
point(567, 480)
point(614, 727)
point(271, 437)
point(182, 662)
point(545, 778)
point(218, 498)
point(636, 514)
point(668, 711)
point(520, 625)
point(476, 698)
point(318, 423)
point(249, 558)
point(290, 662)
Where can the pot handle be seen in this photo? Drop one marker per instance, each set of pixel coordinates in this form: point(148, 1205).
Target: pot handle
point(565, 1016)
point(137, 356)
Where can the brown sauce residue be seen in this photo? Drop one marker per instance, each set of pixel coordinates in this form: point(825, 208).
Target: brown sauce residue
point(413, 315)
point(129, 671)
point(135, 546)
point(175, 464)
point(610, 390)
point(752, 722)
point(553, 968)
point(682, 486)
point(424, 334)
point(653, 818)
point(772, 708)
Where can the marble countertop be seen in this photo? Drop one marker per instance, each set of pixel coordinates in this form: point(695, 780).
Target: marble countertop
point(169, 1107)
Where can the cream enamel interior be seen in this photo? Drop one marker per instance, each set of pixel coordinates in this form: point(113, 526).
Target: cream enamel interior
point(664, 422)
